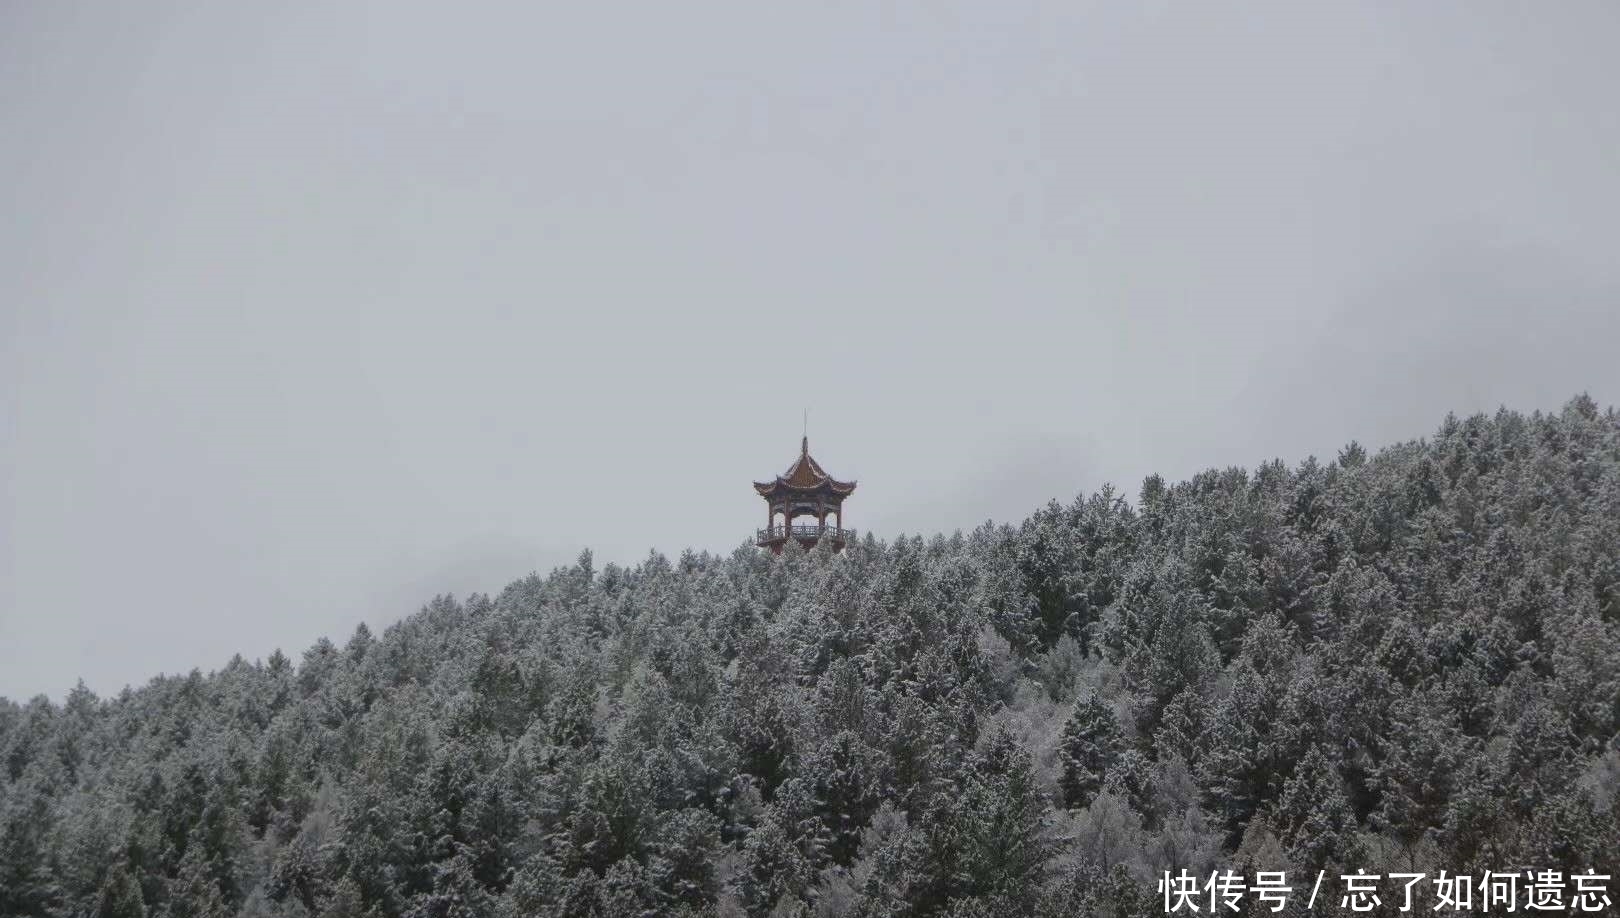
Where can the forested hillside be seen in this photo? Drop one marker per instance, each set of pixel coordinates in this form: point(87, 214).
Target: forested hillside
point(1400, 661)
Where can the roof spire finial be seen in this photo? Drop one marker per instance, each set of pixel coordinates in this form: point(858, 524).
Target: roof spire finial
point(804, 444)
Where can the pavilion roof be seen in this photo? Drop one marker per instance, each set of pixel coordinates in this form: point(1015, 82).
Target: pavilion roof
point(805, 475)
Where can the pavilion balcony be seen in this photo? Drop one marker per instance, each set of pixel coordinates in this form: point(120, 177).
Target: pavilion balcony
point(808, 534)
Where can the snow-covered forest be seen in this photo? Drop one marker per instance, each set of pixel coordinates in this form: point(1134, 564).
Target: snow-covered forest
point(1407, 660)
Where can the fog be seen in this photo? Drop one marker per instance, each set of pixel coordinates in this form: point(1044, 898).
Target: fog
point(307, 315)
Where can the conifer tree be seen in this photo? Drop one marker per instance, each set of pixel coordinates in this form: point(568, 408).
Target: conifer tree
point(1089, 746)
point(1313, 819)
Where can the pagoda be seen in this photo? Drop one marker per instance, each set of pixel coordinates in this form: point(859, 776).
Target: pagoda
point(805, 489)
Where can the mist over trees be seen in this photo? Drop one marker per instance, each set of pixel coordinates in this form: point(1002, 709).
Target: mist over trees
point(1407, 661)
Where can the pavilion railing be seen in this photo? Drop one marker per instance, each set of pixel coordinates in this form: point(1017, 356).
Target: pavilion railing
point(803, 532)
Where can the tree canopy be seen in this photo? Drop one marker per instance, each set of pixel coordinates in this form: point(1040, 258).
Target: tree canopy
point(1401, 660)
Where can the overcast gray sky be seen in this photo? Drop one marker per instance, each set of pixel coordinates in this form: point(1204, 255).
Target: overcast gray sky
point(309, 312)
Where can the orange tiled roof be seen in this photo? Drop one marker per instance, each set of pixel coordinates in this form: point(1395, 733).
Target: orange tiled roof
point(805, 474)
